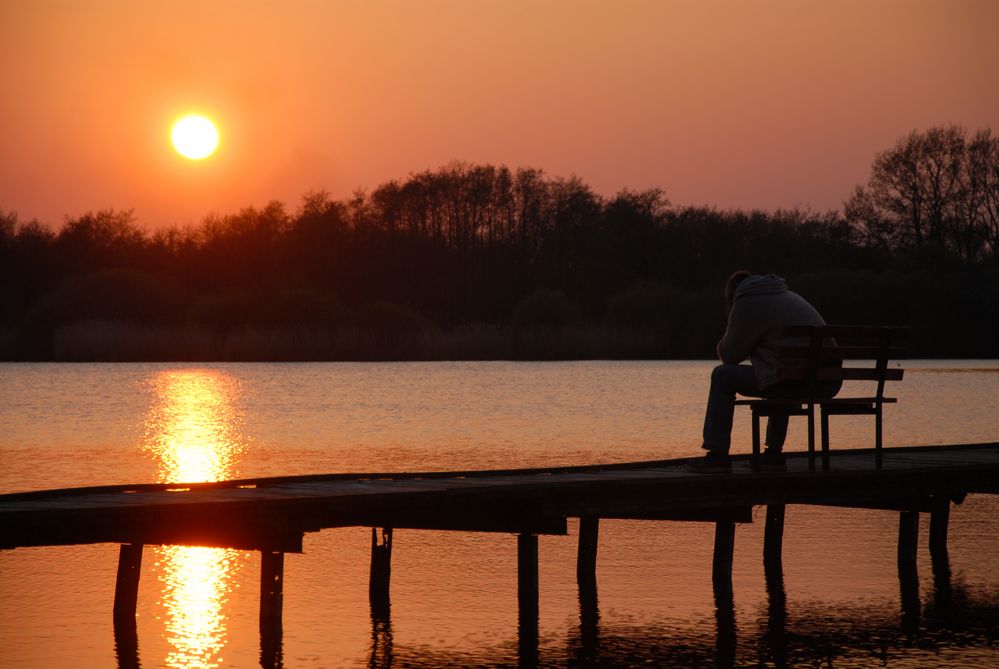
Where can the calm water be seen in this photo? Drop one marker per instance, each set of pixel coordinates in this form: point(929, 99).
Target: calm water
point(454, 594)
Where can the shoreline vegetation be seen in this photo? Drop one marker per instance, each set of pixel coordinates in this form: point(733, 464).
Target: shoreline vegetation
point(104, 341)
point(115, 341)
point(478, 262)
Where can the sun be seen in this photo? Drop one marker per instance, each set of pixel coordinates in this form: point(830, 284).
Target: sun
point(194, 136)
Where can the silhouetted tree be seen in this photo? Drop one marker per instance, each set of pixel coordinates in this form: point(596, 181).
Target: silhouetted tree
point(100, 240)
point(28, 266)
point(466, 246)
point(932, 188)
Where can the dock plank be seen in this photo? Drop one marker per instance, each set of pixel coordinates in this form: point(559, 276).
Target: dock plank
point(532, 500)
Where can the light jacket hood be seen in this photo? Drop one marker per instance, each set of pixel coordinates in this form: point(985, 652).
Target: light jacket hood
point(767, 284)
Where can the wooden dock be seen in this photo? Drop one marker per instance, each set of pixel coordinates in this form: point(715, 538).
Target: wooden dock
point(273, 515)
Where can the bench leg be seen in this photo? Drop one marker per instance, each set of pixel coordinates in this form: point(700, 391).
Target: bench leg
point(825, 440)
point(877, 437)
point(755, 464)
point(811, 438)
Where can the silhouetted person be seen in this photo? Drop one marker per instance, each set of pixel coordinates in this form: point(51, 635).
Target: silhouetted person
point(757, 309)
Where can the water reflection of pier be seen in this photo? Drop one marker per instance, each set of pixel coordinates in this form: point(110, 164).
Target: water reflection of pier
point(820, 635)
point(913, 481)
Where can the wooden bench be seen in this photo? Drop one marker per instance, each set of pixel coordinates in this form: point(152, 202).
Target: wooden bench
point(825, 353)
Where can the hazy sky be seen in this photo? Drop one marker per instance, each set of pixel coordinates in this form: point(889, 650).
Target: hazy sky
point(738, 103)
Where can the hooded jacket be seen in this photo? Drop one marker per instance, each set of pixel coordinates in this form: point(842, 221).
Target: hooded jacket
point(762, 306)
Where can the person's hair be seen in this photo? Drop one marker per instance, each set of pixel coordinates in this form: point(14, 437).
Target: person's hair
point(733, 284)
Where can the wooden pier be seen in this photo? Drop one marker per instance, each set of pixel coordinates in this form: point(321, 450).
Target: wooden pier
point(273, 515)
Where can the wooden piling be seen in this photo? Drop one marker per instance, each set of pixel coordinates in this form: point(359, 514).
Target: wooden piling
point(586, 579)
point(382, 649)
point(271, 603)
point(775, 635)
point(939, 521)
point(586, 557)
point(527, 571)
point(773, 538)
point(126, 643)
point(942, 587)
point(126, 638)
point(908, 575)
point(527, 599)
point(126, 592)
point(380, 575)
point(721, 571)
point(908, 538)
point(725, 639)
point(271, 591)
point(589, 622)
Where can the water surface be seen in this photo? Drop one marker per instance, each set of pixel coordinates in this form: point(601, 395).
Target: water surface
point(454, 594)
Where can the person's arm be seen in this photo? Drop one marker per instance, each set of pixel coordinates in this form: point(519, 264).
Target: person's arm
point(739, 339)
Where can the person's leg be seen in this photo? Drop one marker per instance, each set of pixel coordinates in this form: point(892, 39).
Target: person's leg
point(726, 381)
point(776, 430)
point(777, 423)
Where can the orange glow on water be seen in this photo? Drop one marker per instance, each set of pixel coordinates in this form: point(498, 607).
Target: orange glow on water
point(195, 588)
point(191, 432)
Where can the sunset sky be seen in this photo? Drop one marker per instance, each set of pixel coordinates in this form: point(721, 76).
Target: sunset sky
point(732, 103)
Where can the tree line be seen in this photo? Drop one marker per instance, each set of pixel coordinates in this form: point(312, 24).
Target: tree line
point(529, 256)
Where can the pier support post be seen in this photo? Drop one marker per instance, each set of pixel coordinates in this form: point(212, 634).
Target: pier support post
point(271, 600)
point(589, 622)
point(126, 594)
point(773, 538)
point(126, 644)
point(908, 538)
point(725, 640)
point(939, 557)
point(381, 643)
point(126, 591)
point(908, 575)
point(939, 520)
point(586, 558)
point(527, 573)
point(776, 628)
point(527, 598)
point(721, 570)
point(380, 575)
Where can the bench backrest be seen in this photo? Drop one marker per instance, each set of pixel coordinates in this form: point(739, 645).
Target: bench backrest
point(822, 353)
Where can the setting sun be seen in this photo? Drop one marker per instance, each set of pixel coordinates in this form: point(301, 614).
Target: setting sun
point(194, 137)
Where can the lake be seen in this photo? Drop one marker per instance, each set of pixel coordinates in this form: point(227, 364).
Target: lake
point(454, 595)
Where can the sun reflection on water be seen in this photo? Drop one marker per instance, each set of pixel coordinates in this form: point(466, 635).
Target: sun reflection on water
point(195, 582)
point(192, 433)
point(192, 428)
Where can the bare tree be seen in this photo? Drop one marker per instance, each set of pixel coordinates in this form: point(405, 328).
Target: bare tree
point(982, 200)
point(931, 188)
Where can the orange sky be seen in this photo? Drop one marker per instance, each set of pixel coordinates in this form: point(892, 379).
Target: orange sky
point(740, 104)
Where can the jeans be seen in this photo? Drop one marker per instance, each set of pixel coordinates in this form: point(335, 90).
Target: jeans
point(726, 381)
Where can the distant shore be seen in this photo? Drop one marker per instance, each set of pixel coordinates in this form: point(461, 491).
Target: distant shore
point(110, 341)
point(486, 262)
point(107, 341)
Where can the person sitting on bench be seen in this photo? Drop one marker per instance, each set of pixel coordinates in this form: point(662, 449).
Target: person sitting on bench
point(757, 308)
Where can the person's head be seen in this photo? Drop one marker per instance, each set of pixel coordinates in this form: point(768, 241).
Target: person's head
point(732, 285)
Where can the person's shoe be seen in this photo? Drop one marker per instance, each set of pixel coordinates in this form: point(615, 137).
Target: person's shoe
point(772, 461)
point(712, 463)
